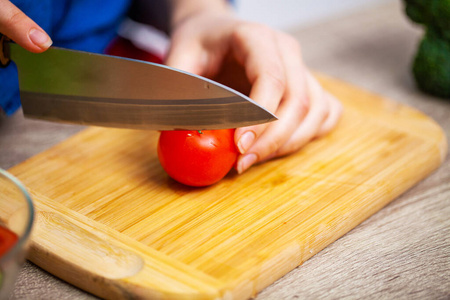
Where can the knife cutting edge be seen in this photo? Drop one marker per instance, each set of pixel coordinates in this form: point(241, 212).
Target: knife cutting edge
point(92, 89)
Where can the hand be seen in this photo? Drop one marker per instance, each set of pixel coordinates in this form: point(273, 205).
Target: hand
point(265, 64)
point(21, 29)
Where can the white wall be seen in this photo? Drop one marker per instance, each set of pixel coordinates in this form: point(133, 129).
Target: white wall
point(286, 14)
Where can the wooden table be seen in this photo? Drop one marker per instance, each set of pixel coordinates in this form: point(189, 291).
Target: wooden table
point(402, 252)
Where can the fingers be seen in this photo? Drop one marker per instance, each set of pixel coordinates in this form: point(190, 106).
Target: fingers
point(255, 48)
point(21, 29)
point(311, 126)
point(258, 143)
point(322, 116)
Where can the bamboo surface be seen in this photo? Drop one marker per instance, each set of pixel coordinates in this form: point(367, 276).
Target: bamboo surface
point(111, 221)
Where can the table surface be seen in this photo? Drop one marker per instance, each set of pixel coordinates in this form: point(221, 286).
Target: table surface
point(401, 252)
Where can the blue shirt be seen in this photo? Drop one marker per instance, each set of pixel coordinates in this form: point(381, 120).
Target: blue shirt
point(87, 25)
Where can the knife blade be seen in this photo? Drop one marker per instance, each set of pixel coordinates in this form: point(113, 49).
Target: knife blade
point(92, 89)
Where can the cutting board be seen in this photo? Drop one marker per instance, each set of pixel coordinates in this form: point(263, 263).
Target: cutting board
point(110, 221)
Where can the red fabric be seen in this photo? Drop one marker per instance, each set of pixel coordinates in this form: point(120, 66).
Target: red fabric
point(124, 48)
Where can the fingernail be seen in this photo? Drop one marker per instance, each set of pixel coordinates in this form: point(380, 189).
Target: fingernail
point(246, 162)
point(40, 38)
point(246, 141)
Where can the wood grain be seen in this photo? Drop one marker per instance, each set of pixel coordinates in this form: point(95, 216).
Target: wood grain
point(104, 188)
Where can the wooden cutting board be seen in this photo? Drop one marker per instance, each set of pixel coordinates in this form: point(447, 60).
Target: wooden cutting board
point(110, 221)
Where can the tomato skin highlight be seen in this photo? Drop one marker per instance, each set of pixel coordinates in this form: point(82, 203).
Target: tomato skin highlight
point(197, 158)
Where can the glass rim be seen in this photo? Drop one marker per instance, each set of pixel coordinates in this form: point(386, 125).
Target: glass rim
point(25, 236)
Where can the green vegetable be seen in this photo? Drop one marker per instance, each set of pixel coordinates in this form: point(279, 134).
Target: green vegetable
point(418, 10)
point(431, 66)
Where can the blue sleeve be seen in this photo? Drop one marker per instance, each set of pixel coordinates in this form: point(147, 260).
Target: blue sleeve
point(9, 86)
point(9, 91)
point(87, 25)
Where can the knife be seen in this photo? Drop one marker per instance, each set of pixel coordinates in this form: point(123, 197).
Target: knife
point(92, 89)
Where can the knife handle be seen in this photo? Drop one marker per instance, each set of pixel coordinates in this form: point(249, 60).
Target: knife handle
point(4, 51)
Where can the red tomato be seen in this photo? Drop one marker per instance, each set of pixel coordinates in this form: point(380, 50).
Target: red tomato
point(197, 158)
point(7, 240)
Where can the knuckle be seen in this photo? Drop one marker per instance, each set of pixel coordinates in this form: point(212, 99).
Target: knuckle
point(299, 104)
point(276, 79)
point(288, 149)
point(322, 113)
point(244, 30)
point(298, 142)
point(337, 105)
point(338, 109)
point(14, 19)
point(293, 145)
point(272, 147)
point(302, 105)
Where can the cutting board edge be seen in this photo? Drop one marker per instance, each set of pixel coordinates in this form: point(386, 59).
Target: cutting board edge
point(311, 249)
point(334, 85)
point(58, 263)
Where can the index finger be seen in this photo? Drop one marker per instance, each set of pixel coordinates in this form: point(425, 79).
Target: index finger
point(21, 29)
point(254, 46)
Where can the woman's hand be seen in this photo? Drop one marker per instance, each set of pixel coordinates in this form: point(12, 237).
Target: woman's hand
point(265, 64)
point(21, 29)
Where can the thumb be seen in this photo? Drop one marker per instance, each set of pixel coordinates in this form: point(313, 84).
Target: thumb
point(21, 29)
point(187, 56)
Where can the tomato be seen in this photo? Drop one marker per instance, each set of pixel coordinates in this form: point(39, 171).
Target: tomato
point(7, 240)
point(197, 158)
